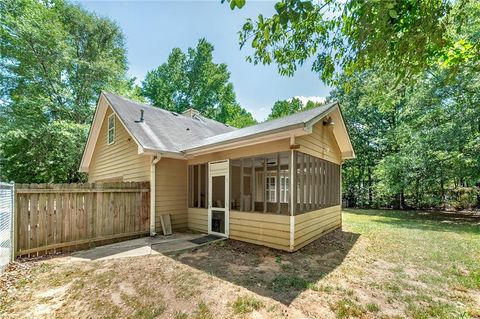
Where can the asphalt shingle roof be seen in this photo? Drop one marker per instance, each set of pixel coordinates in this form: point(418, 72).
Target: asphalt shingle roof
point(167, 131)
point(163, 130)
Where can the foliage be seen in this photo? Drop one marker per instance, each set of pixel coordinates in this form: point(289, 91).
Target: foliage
point(417, 145)
point(56, 58)
point(287, 107)
point(192, 79)
point(417, 141)
point(52, 152)
point(403, 37)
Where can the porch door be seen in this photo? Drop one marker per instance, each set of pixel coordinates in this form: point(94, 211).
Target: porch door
point(218, 198)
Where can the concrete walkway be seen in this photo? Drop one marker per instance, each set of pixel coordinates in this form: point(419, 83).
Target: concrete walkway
point(144, 246)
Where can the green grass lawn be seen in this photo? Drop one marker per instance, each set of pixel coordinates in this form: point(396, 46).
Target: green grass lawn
point(381, 264)
point(433, 260)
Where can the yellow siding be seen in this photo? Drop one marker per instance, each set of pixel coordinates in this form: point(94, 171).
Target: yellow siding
point(312, 225)
point(258, 149)
point(198, 219)
point(320, 143)
point(262, 229)
point(171, 193)
point(119, 161)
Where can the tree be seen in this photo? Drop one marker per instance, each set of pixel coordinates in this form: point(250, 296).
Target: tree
point(192, 79)
point(56, 58)
point(417, 144)
point(286, 107)
point(403, 37)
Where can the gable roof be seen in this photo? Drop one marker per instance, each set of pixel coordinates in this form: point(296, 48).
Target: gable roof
point(162, 130)
point(297, 120)
point(179, 135)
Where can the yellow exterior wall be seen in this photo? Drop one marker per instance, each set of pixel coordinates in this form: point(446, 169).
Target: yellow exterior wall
point(198, 219)
point(312, 225)
point(171, 193)
point(257, 149)
point(262, 229)
point(119, 161)
point(320, 143)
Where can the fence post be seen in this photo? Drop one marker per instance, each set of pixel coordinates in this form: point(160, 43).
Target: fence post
point(14, 232)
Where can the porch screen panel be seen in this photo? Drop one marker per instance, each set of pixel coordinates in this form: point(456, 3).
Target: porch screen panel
point(318, 183)
point(197, 186)
point(261, 183)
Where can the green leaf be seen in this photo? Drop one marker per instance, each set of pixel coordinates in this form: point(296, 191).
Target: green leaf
point(393, 14)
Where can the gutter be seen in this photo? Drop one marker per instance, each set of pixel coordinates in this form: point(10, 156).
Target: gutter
point(153, 164)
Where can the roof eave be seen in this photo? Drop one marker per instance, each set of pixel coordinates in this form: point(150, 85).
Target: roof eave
point(297, 129)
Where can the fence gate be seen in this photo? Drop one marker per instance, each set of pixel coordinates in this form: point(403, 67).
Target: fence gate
point(6, 223)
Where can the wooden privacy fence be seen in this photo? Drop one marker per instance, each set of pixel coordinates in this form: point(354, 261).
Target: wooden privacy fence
point(50, 217)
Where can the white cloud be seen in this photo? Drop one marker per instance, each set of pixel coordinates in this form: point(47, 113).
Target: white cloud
point(305, 99)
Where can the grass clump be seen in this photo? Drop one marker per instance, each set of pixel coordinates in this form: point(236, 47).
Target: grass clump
point(373, 307)
point(285, 282)
point(246, 304)
point(203, 312)
point(346, 308)
point(181, 315)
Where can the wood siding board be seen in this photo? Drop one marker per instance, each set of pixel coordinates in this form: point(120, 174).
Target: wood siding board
point(171, 192)
point(312, 225)
point(118, 160)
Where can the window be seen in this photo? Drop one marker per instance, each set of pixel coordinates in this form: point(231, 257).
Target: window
point(271, 186)
point(111, 129)
point(284, 183)
point(271, 189)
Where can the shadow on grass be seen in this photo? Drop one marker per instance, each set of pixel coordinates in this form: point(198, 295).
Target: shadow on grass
point(425, 220)
point(269, 272)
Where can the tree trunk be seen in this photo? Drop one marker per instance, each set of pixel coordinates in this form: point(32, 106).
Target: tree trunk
point(402, 200)
point(478, 195)
point(370, 193)
point(442, 193)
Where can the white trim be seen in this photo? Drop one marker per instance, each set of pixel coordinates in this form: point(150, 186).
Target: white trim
point(95, 127)
point(111, 128)
point(100, 111)
point(292, 232)
point(223, 169)
point(153, 188)
point(346, 154)
point(293, 200)
point(249, 142)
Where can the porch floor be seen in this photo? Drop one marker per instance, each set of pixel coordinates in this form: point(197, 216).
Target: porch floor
point(145, 246)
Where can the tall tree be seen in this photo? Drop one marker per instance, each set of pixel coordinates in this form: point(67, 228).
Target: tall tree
point(417, 144)
point(402, 37)
point(56, 58)
point(286, 107)
point(192, 79)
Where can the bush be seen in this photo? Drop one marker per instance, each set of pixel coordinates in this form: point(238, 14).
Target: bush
point(463, 197)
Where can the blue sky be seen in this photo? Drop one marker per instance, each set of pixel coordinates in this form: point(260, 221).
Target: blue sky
point(153, 28)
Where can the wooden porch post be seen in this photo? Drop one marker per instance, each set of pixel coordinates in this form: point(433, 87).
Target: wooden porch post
point(241, 185)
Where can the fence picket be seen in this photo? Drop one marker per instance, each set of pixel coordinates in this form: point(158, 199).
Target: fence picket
point(55, 216)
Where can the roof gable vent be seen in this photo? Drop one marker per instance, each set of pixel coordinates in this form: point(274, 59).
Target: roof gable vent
point(191, 112)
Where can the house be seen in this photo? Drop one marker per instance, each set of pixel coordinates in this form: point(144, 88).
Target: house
point(213, 178)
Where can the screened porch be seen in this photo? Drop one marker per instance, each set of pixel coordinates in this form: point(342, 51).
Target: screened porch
point(263, 184)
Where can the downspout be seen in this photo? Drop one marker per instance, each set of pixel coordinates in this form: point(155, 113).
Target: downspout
point(153, 165)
